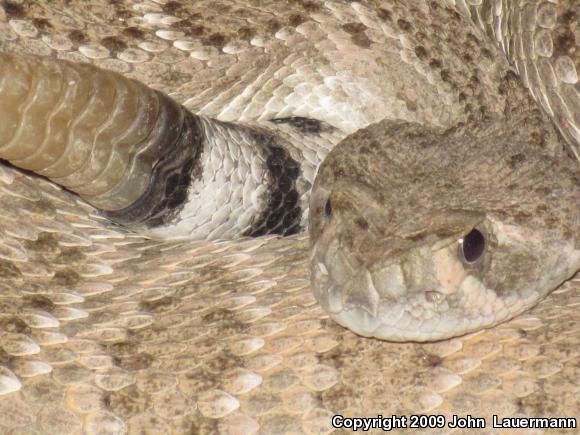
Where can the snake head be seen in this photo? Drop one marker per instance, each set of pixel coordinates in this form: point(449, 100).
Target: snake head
point(420, 242)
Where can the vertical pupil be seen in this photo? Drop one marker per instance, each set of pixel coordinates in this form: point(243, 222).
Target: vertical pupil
point(473, 246)
point(327, 209)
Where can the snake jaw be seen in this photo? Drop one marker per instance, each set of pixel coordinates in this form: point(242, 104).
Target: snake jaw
point(429, 292)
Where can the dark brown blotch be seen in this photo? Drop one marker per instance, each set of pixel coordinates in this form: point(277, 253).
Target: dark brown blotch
point(126, 402)
point(223, 363)
point(133, 32)
point(362, 223)
point(69, 256)
point(8, 270)
point(340, 396)
point(194, 30)
point(539, 404)
point(564, 44)
point(5, 359)
point(119, 7)
point(411, 106)
point(273, 25)
point(296, 19)
point(541, 209)
point(217, 40)
point(139, 361)
point(122, 349)
point(200, 424)
point(310, 6)
point(46, 244)
point(219, 315)
point(522, 217)
point(421, 52)
point(357, 34)
point(385, 14)
point(42, 24)
point(404, 25)
point(434, 5)
point(164, 304)
point(516, 160)
point(246, 33)
point(66, 277)
point(13, 10)
point(430, 360)
point(14, 325)
point(353, 28)
point(113, 44)
point(418, 237)
point(77, 36)
point(543, 190)
point(39, 302)
point(435, 64)
point(361, 40)
point(221, 8)
point(551, 222)
point(172, 7)
point(486, 53)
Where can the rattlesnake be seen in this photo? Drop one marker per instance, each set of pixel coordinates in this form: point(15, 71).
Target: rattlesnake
point(107, 330)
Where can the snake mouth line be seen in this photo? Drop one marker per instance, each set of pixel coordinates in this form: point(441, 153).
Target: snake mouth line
point(384, 304)
point(401, 321)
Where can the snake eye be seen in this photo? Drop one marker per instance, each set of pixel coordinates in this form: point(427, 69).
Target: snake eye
point(473, 246)
point(328, 209)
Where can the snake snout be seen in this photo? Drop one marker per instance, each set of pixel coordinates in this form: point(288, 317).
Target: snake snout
point(396, 299)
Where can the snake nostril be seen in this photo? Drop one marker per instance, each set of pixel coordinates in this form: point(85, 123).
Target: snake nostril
point(433, 297)
point(473, 246)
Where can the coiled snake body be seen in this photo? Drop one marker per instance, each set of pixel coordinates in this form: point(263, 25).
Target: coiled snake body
point(446, 202)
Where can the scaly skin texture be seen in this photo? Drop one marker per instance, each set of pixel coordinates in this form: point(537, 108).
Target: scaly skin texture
point(393, 202)
point(104, 329)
